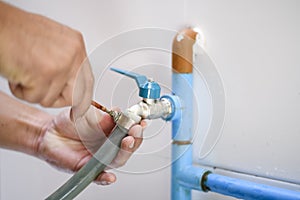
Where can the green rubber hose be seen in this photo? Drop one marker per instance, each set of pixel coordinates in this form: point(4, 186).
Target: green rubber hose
point(80, 180)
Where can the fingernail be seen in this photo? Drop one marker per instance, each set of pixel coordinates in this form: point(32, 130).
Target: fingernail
point(138, 132)
point(104, 183)
point(131, 145)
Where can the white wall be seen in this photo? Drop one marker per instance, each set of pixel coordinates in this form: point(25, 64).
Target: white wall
point(28, 178)
point(253, 45)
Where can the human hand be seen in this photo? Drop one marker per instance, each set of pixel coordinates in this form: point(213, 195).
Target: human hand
point(69, 146)
point(42, 59)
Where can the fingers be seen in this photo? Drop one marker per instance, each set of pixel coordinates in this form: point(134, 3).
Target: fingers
point(105, 178)
point(128, 146)
point(143, 124)
point(106, 123)
point(133, 140)
point(54, 95)
point(53, 69)
point(32, 95)
point(82, 86)
point(91, 135)
point(64, 124)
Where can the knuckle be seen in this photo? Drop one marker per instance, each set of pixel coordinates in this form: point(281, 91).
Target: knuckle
point(78, 41)
point(76, 50)
point(32, 96)
point(23, 93)
point(16, 91)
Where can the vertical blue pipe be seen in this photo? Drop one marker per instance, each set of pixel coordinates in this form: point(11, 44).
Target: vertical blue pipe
point(182, 133)
point(186, 177)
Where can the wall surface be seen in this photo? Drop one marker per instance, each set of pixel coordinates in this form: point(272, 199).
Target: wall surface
point(255, 48)
point(247, 87)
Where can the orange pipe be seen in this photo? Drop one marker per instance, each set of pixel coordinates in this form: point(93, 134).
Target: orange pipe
point(182, 51)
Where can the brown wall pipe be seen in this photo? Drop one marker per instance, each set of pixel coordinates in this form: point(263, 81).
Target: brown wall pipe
point(182, 51)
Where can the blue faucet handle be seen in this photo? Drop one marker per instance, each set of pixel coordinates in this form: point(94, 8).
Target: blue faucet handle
point(148, 89)
point(140, 79)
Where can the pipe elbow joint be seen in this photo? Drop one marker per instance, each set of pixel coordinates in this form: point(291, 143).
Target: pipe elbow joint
point(193, 177)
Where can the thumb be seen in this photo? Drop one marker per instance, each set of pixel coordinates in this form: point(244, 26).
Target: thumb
point(82, 90)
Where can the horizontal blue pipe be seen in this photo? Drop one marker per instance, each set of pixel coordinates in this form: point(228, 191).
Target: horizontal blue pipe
point(192, 177)
point(247, 190)
point(200, 179)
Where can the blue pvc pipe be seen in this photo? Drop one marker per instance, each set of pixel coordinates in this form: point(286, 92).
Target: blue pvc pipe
point(182, 134)
point(192, 178)
point(247, 190)
point(202, 180)
point(185, 177)
point(178, 192)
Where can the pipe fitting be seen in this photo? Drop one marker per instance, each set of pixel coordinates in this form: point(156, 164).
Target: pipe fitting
point(182, 51)
point(152, 108)
point(126, 120)
point(193, 178)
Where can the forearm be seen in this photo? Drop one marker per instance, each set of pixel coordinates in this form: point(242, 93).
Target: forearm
point(20, 125)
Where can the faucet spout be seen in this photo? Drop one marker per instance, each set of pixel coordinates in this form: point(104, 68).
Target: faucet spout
point(152, 108)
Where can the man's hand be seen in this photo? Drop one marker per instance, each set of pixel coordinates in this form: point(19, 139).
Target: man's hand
point(69, 145)
point(42, 59)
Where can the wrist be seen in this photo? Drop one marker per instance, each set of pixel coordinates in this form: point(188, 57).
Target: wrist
point(32, 129)
point(21, 125)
